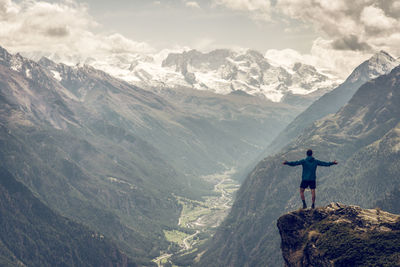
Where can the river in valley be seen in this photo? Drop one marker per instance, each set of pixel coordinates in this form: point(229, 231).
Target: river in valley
point(201, 218)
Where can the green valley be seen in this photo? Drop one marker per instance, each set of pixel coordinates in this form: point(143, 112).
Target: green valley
point(199, 220)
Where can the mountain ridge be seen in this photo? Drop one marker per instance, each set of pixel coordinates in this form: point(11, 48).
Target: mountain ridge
point(360, 136)
point(379, 64)
point(221, 71)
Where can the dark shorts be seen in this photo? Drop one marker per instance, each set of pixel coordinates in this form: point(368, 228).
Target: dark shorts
point(304, 184)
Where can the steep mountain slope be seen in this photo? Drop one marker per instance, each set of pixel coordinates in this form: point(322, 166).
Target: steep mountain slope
point(198, 132)
point(340, 235)
point(379, 64)
point(33, 235)
point(242, 124)
point(363, 136)
point(390, 201)
point(115, 157)
point(84, 165)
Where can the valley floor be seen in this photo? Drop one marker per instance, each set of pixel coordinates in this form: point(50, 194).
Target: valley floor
point(199, 219)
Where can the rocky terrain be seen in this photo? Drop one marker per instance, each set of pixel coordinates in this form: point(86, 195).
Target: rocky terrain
point(340, 235)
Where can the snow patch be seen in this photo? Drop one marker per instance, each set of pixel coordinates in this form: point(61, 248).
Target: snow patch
point(28, 73)
point(56, 75)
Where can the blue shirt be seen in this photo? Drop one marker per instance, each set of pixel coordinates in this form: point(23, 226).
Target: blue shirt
point(309, 167)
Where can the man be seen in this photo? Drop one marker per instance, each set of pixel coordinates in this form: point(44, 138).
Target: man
point(308, 176)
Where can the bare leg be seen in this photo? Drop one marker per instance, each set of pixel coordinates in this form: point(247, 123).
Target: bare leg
point(302, 194)
point(313, 197)
point(302, 197)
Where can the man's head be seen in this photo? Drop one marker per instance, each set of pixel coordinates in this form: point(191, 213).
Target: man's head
point(309, 153)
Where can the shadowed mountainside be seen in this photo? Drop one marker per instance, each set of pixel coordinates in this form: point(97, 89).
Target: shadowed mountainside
point(379, 64)
point(363, 136)
point(33, 235)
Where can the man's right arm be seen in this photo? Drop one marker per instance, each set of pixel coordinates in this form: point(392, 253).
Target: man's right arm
point(327, 164)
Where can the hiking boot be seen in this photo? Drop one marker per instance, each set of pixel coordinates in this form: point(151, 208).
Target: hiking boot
point(313, 206)
point(304, 205)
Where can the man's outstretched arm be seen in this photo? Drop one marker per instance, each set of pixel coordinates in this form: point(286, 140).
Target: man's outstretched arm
point(324, 163)
point(293, 163)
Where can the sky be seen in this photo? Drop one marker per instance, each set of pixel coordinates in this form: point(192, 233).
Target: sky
point(334, 36)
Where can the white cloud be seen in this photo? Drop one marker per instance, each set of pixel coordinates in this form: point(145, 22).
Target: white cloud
point(252, 5)
point(287, 57)
point(376, 19)
point(337, 63)
point(65, 29)
point(192, 4)
point(7, 8)
point(203, 43)
point(396, 6)
point(353, 25)
point(260, 9)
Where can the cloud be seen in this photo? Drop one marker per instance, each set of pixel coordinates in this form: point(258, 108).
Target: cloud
point(58, 31)
point(260, 9)
point(192, 4)
point(350, 43)
point(354, 25)
point(203, 43)
point(338, 62)
point(376, 21)
point(64, 28)
point(322, 55)
point(7, 8)
point(287, 57)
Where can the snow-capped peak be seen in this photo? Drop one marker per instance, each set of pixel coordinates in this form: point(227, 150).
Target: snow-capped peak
point(221, 71)
point(379, 64)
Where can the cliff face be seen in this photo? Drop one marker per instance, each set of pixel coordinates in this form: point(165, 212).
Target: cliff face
point(340, 235)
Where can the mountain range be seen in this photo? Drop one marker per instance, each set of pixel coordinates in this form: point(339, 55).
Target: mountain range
point(363, 136)
point(221, 71)
point(113, 156)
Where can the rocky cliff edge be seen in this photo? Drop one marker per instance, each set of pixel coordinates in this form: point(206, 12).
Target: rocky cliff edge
point(340, 235)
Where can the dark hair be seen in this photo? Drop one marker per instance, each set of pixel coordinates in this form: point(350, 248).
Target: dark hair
point(309, 152)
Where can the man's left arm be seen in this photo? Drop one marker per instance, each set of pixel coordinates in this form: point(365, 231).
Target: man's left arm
point(324, 163)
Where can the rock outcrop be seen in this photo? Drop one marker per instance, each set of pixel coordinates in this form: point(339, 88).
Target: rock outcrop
point(340, 235)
